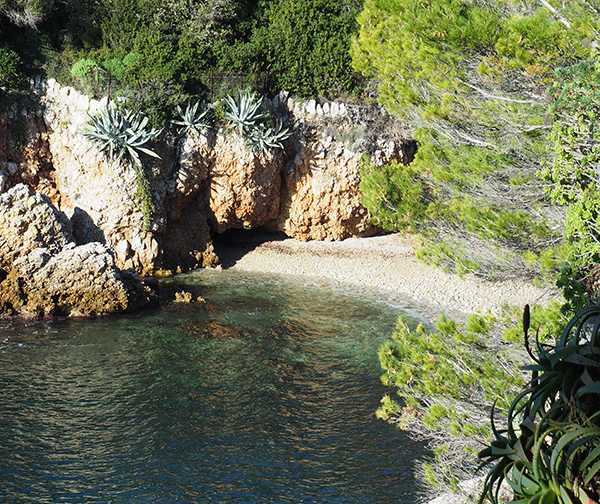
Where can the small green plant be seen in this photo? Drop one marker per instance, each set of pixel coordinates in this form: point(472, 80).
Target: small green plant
point(194, 118)
point(550, 449)
point(243, 113)
point(114, 67)
point(84, 67)
point(123, 135)
point(263, 138)
point(10, 74)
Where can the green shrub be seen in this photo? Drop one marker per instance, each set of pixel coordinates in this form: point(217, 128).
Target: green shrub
point(156, 98)
point(573, 173)
point(84, 67)
point(396, 196)
point(10, 74)
point(443, 378)
point(470, 78)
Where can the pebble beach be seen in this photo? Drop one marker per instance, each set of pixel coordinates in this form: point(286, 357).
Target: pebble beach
point(385, 263)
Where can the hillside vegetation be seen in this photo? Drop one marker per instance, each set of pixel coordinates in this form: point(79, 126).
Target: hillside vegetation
point(503, 99)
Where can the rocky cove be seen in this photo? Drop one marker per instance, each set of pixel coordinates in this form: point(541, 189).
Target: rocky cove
point(72, 234)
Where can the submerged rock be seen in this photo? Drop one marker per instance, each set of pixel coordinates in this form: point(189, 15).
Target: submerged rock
point(212, 329)
point(44, 272)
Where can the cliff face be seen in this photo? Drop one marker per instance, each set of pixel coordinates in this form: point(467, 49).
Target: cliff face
point(202, 183)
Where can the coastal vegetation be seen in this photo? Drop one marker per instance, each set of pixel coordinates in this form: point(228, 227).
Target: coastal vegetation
point(503, 99)
point(123, 135)
point(549, 451)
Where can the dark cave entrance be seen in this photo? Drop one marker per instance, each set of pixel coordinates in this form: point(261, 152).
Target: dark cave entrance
point(233, 244)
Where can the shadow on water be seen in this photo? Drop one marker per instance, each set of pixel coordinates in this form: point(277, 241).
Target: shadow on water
point(234, 244)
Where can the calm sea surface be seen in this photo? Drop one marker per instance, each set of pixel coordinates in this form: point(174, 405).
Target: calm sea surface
point(264, 394)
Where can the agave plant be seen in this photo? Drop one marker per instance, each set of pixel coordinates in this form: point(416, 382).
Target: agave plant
point(121, 134)
point(550, 450)
point(193, 118)
point(263, 139)
point(244, 112)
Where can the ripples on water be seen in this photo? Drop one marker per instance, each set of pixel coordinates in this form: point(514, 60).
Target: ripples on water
point(266, 394)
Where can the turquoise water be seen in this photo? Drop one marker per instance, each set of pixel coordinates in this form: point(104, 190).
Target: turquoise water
point(264, 394)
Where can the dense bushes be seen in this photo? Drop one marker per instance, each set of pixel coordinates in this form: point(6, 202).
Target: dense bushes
point(497, 98)
point(302, 45)
point(405, 206)
point(308, 41)
point(574, 172)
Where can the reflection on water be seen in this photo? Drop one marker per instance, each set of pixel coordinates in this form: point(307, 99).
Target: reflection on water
point(265, 394)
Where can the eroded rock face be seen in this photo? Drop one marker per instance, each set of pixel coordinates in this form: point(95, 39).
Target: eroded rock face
point(44, 272)
point(321, 195)
point(202, 183)
point(245, 187)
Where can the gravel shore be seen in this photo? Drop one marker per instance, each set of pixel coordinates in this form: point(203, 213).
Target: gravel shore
point(385, 263)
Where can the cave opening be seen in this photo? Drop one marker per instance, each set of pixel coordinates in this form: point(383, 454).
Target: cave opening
point(234, 244)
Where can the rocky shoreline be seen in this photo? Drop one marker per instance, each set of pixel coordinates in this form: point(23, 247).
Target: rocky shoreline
point(84, 253)
point(43, 271)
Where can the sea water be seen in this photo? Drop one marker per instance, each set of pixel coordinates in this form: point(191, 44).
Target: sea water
point(263, 392)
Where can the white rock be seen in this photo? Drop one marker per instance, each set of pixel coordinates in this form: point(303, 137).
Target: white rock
point(122, 248)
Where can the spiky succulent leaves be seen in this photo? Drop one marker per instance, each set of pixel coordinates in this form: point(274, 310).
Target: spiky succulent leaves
point(264, 139)
point(121, 135)
point(194, 118)
point(554, 455)
point(244, 112)
point(124, 135)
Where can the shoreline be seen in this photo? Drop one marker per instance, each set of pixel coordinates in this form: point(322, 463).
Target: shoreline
point(387, 263)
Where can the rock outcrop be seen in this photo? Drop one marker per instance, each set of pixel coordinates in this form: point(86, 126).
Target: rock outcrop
point(201, 184)
point(44, 272)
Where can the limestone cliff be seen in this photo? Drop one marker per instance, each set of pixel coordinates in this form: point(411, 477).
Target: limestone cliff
point(201, 183)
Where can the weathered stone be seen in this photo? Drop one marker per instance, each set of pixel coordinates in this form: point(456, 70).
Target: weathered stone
point(43, 271)
point(244, 187)
point(310, 191)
